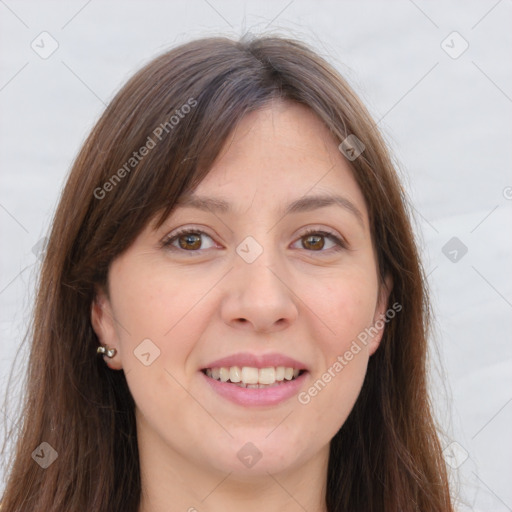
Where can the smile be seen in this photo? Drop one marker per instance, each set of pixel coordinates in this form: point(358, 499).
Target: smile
point(253, 378)
point(255, 386)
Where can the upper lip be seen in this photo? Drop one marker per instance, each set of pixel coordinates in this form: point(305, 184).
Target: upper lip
point(257, 361)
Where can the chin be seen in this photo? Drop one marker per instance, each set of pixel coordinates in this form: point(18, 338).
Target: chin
point(261, 470)
point(248, 459)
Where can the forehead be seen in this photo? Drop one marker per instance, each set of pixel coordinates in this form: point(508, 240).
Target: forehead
point(277, 156)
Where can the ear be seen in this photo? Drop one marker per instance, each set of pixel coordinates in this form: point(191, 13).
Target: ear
point(103, 323)
point(380, 318)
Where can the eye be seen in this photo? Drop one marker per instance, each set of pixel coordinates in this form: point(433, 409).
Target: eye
point(315, 240)
point(190, 240)
point(193, 240)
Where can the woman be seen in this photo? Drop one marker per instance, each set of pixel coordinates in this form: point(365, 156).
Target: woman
point(234, 241)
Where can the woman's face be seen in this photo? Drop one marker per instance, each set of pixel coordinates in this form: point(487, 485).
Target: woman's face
point(275, 272)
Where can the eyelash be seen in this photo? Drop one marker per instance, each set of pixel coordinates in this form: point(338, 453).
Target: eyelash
point(340, 244)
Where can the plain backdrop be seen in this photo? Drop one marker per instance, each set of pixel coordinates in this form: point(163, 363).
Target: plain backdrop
point(436, 75)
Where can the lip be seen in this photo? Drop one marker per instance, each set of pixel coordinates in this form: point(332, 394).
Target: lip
point(259, 396)
point(257, 361)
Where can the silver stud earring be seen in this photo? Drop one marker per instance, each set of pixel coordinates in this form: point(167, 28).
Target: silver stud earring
point(109, 352)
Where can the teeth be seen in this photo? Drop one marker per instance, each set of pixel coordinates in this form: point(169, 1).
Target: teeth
point(267, 376)
point(249, 375)
point(253, 377)
point(235, 374)
point(224, 374)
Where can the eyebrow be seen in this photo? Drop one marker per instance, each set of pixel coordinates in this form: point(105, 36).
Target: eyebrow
point(304, 204)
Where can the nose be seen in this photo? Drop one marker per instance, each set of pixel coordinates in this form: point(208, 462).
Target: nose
point(258, 297)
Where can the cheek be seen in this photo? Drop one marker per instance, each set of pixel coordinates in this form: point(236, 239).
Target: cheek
point(164, 315)
point(162, 306)
point(344, 303)
point(334, 388)
point(332, 395)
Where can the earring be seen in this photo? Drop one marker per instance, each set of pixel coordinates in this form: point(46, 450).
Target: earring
point(109, 352)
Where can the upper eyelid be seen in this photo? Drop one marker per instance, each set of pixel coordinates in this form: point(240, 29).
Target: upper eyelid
point(200, 229)
point(187, 229)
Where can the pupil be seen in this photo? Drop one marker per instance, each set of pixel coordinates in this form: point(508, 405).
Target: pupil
point(316, 241)
point(190, 241)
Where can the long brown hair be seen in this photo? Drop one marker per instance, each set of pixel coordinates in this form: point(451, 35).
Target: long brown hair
point(385, 458)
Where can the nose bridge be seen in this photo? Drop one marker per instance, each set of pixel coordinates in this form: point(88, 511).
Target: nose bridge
point(253, 267)
point(257, 294)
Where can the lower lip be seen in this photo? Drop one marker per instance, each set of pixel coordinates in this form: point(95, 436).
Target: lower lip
point(257, 396)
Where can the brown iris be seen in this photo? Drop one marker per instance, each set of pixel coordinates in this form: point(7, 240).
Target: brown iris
point(314, 242)
point(190, 241)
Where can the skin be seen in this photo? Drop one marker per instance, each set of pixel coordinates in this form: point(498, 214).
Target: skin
point(196, 305)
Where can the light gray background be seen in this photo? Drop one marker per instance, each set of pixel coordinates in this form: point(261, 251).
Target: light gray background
point(448, 121)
